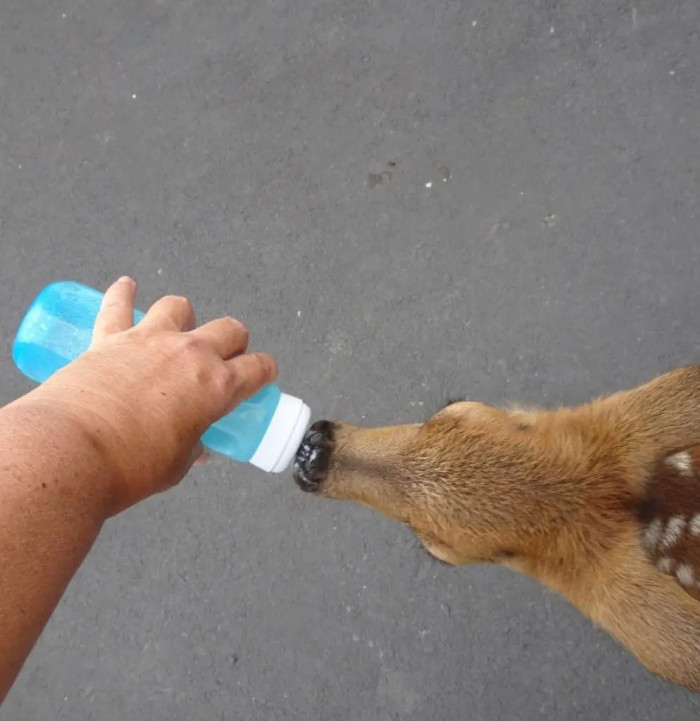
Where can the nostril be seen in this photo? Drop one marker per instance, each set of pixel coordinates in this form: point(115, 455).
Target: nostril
point(315, 438)
point(312, 458)
point(325, 428)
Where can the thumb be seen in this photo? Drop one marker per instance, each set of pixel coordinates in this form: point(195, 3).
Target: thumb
point(198, 456)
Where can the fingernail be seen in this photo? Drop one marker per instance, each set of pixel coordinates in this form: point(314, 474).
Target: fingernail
point(126, 279)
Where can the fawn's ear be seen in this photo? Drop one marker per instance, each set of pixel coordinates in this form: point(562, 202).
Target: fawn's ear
point(670, 518)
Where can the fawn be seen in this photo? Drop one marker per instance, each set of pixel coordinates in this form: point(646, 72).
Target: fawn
point(599, 502)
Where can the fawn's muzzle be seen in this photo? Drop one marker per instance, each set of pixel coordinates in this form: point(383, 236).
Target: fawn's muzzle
point(311, 462)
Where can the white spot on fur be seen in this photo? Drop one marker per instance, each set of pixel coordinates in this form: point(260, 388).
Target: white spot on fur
point(685, 574)
point(664, 564)
point(674, 529)
point(653, 533)
point(681, 462)
point(694, 525)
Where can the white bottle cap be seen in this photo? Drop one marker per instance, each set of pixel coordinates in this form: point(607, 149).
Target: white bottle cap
point(283, 436)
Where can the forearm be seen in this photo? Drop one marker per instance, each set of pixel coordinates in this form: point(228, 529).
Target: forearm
point(120, 423)
point(54, 492)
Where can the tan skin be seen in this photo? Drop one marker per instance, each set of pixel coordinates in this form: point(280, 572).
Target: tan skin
point(115, 426)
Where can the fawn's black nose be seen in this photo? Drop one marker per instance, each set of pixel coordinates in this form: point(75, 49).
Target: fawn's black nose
point(311, 462)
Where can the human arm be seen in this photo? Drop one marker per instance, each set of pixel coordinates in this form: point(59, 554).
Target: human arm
point(117, 425)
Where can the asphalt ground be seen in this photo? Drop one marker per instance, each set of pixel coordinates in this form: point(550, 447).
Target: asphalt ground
point(405, 201)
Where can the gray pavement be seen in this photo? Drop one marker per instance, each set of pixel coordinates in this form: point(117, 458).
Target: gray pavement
point(273, 159)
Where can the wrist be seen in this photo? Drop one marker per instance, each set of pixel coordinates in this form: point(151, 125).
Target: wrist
point(64, 432)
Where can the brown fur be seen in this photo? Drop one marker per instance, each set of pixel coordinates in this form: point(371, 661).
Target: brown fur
point(563, 495)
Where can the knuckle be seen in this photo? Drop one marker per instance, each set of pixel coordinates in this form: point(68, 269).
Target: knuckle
point(224, 381)
point(190, 344)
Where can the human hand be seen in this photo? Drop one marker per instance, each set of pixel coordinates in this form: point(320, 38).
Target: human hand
point(146, 394)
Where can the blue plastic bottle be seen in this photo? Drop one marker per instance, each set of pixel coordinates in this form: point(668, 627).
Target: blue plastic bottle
point(265, 430)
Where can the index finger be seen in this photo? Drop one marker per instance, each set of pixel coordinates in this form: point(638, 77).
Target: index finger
point(117, 310)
